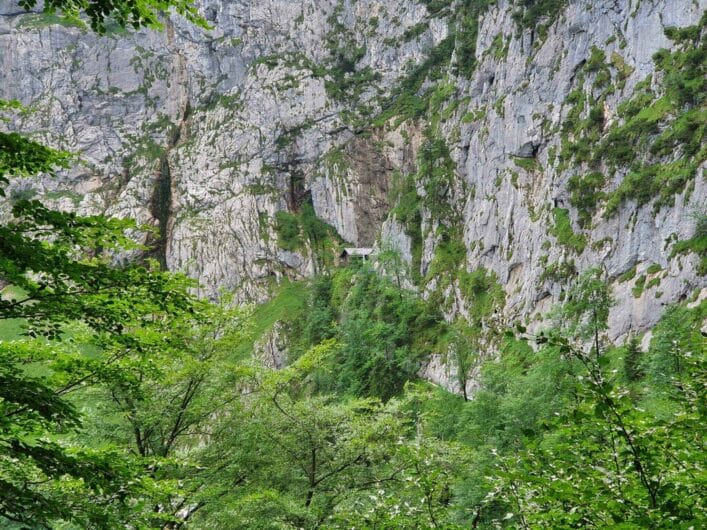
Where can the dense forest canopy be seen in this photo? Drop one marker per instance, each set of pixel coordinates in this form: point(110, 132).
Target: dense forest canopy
point(128, 402)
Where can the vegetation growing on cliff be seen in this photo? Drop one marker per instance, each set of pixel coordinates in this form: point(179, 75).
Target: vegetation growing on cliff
point(303, 230)
point(123, 13)
point(656, 139)
point(125, 402)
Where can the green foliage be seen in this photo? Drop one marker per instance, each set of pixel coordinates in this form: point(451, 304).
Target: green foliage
point(435, 177)
point(133, 378)
point(343, 80)
point(321, 311)
point(463, 353)
point(407, 100)
point(559, 272)
point(529, 164)
point(661, 181)
point(297, 230)
point(632, 360)
point(466, 34)
point(677, 333)
point(627, 276)
point(407, 210)
point(448, 259)
point(287, 227)
point(320, 235)
point(533, 12)
point(558, 441)
point(656, 138)
point(585, 194)
point(436, 171)
point(638, 286)
point(562, 230)
point(697, 243)
point(288, 458)
point(385, 333)
point(607, 461)
point(124, 13)
point(499, 48)
point(349, 84)
point(42, 20)
point(62, 275)
point(653, 268)
point(483, 293)
point(415, 31)
point(517, 396)
point(413, 97)
point(21, 157)
point(286, 305)
point(585, 314)
point(437, 7)
point(422, 499)
point(162, 402)
point(59, 288)
point(138, 406)
point(46, 473)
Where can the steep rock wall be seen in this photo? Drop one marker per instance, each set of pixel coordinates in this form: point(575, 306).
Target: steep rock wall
point(211, 134)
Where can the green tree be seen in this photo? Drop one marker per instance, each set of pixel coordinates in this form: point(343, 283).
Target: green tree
point(393, 265)
point(45, 472)
point(463, 354)
point(291, 458)
point(43, 476)
point(162, 405)
point(419, 495)
point(608, 462)
point(585, 313)
point(312, 450)
point(60, 270)
point(632, 360)
point(384, 333)
point(674, 334)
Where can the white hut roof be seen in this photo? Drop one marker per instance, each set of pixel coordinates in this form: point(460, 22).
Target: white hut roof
point(358, 251)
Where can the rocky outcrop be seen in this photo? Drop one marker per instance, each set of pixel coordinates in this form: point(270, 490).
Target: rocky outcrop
point(210, 134)
point(271, 348)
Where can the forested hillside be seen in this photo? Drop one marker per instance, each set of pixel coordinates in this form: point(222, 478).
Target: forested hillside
point(353, 264)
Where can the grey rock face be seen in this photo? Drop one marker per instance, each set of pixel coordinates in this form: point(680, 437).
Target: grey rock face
point(509, 220)
point(210, 134)
point(271, 348)
point(352, 192)
point(233, 123)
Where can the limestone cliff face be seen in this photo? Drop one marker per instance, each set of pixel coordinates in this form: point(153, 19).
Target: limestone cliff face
point(210, 134)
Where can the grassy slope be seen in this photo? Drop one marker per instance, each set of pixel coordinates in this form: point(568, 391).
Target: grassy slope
point(10, 329)
point(287, 305)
